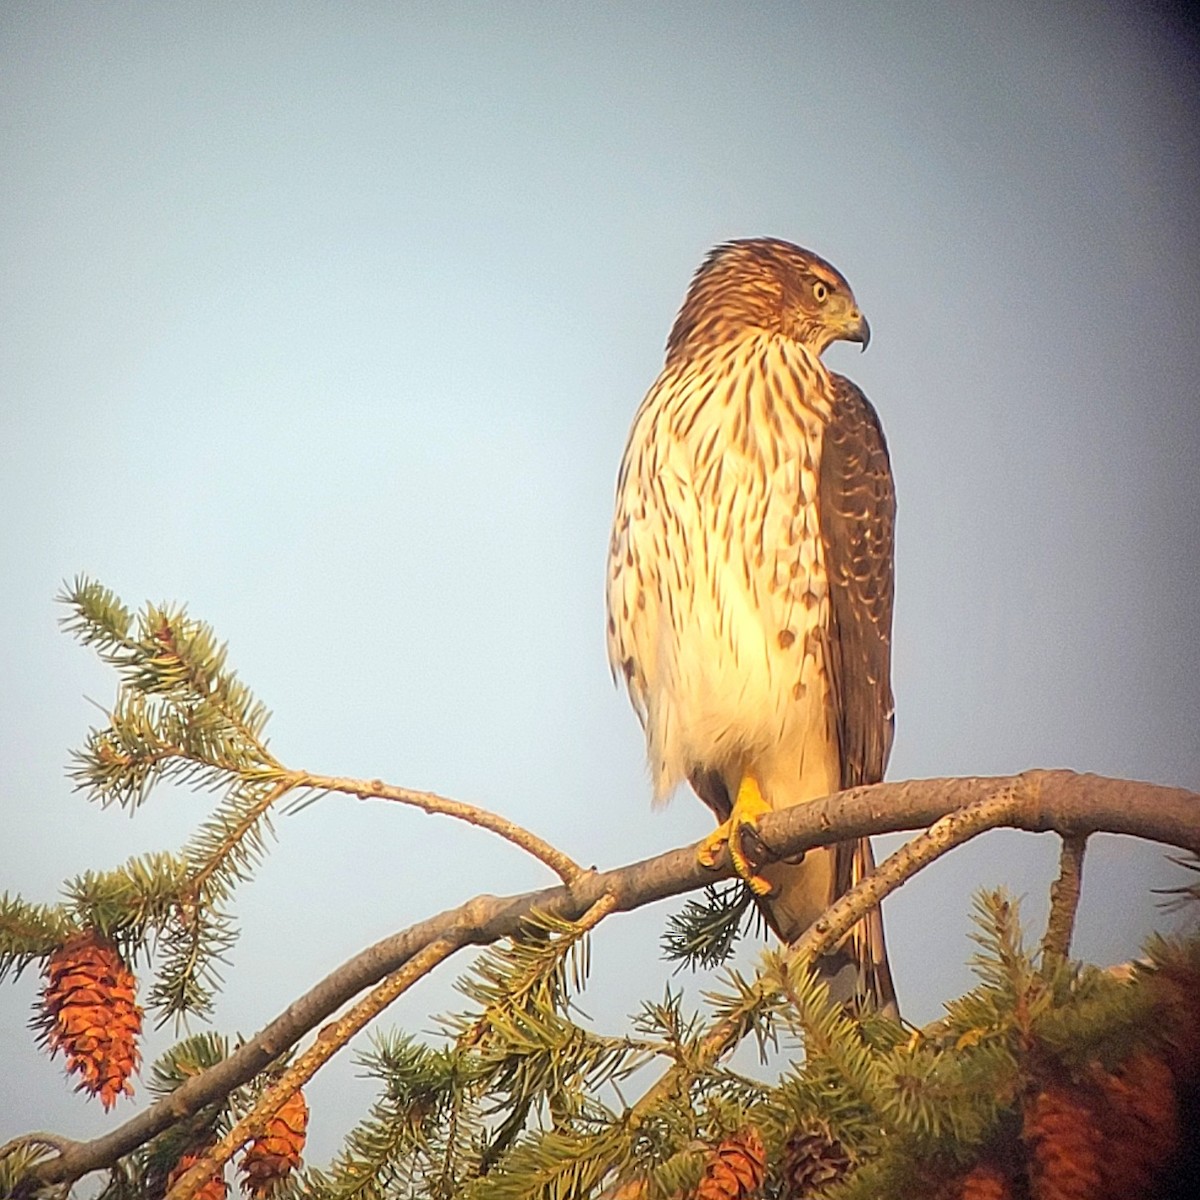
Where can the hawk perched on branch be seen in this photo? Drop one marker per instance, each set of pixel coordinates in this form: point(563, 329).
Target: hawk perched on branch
point(750, 578)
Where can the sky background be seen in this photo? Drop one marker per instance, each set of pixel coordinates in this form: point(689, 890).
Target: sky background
point(330, 321)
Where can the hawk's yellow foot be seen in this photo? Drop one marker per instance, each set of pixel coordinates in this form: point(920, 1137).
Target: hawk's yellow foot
point(749, 806)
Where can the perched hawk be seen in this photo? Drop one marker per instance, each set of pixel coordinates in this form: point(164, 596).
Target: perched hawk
point(750, 578)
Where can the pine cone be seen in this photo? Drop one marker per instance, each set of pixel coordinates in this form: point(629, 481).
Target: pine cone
point(269, 1159)
point(735, 1169)
point(215, 1189)
point(88, 1010)
point(985, 1181)
point(1065, 1145)
point(812, 1160)
point(1141, 1125)
point(1178, 1003)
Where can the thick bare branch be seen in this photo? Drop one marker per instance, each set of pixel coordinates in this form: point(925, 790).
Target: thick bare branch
point(1041, 801)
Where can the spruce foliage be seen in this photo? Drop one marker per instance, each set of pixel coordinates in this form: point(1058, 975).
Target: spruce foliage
point(180, 715)
point(518, 1096)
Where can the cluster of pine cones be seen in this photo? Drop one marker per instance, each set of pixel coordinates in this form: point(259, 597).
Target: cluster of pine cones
point(267, 1160)
point(89, 1011)
point(1111, 1134)
point(1132, 1132)
point(1118, 1134)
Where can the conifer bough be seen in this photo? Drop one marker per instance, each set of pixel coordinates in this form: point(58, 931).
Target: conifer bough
point(521, 1056)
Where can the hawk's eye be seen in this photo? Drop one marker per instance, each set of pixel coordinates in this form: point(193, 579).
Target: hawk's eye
point(820, 292)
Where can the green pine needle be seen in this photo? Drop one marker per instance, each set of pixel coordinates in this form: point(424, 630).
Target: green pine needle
point(705, 932)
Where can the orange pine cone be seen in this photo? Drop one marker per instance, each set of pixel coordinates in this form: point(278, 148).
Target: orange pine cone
point(1065, 1145)
point(1178, 994)
point(215, 1189)
point(88, 1011)
point(1141, 1125)
point(984, 1181)
point(269, 1159)
point(735, 1169)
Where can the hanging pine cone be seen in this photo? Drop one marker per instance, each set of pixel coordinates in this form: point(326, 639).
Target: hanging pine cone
point(1065, 1145)
point(269, 1159)
point(1177, 989)
point(215, 1189)
point(735, 1169)
point(88, 1011)
point(812, 1160)
point(985, 1181)
point(1141, 1125)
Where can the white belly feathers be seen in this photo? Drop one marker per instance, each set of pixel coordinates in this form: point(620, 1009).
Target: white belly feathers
point(717, 593)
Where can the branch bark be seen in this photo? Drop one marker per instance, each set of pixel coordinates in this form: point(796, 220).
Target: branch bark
point(375, 789)
point(1064, 901)
point(1038, 801)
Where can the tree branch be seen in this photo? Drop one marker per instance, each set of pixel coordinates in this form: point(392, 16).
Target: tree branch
point(375, 789)
point(1040, 801)
point(1064, 900)
point(944, 834)
point(329, 1041)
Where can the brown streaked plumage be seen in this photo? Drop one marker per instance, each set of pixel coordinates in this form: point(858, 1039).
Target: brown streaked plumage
point(750, 576)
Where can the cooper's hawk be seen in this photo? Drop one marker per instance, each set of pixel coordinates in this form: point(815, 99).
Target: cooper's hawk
point(750, 577)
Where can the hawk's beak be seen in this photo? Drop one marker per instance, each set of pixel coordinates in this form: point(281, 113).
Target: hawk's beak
point(857, 329)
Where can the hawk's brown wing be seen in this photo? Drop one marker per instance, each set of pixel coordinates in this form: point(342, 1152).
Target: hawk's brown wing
point(858, 519)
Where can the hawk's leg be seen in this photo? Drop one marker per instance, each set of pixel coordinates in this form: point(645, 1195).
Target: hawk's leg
point(749, 806)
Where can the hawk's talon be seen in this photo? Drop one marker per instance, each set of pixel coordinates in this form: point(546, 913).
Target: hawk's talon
point(710, 848)
point(748, 807)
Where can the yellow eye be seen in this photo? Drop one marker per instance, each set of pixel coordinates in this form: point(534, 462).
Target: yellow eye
point(820, 292)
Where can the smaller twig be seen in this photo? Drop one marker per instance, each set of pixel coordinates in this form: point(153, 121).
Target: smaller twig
point(329, 1041)
point(51, 1141)
point(597, 912)
point(943, 835)
point(1064, 901)
point(375, 789)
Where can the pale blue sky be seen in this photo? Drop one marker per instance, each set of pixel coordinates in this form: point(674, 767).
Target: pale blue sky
point(330, 320)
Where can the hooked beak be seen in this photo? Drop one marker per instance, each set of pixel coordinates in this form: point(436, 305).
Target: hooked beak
point(857, 329)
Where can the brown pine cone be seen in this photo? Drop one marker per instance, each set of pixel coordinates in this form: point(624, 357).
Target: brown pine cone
point(985, 1181)
point(812, 1160)
point(215, 1189)
point(1065, 1145)
point(89, 1011)
point(1141, 1125)
point(1177, 991)
point(270, 1159)
point(735, 1169)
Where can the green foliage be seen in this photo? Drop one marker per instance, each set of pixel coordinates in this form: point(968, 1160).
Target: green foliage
point(524, 1100)
point(422, 1134)
point(180, 715)
point(17, 1164)
point(29, 933)
point(705, 932)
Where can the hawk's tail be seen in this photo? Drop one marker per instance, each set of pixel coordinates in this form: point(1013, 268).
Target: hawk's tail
point(857, 969)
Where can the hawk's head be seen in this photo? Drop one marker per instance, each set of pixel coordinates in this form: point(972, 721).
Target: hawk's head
point(763, 283)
